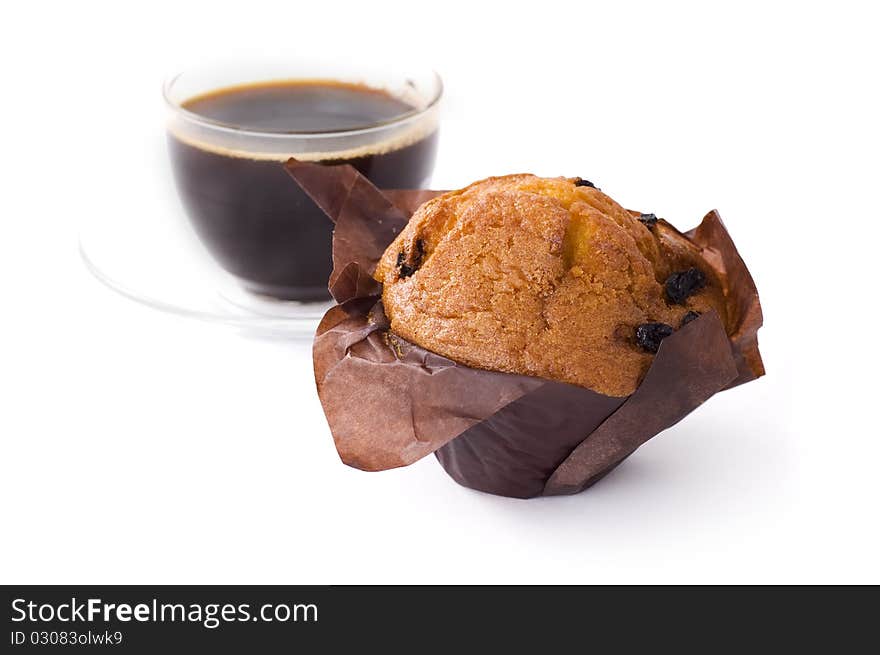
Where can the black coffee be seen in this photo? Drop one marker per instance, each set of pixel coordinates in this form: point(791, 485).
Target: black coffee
point(248, 211)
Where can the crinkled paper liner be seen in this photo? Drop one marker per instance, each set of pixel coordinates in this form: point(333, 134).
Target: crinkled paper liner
point(390, 402)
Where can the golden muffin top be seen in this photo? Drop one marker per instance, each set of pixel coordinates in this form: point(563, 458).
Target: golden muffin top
point(546, 277)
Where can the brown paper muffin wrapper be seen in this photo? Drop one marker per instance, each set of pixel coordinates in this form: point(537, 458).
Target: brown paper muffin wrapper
point(390, 402)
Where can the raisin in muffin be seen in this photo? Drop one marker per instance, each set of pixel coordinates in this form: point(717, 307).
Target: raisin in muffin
point(546, 277)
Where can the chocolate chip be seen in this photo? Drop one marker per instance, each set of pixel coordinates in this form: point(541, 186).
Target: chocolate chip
point(649, 220)
point(582, 182)
point(403, 269)
point(683, 284)
point(406, 268)
point(649, 335)
point(690, 316)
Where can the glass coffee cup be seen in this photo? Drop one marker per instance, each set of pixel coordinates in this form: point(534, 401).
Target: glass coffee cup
point(231, 130)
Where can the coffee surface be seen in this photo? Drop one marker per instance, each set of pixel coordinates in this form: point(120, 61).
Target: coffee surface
point(299, 106)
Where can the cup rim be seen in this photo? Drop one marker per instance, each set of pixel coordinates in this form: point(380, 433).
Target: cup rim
point(231, 128)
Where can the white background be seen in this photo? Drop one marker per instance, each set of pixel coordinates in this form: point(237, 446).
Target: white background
point(143, 448)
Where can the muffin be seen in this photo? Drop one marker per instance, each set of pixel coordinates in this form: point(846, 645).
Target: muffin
point(528, 332)
point(545, 277)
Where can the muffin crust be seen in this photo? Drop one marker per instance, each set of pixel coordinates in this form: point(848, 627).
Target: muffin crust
point(539, 276)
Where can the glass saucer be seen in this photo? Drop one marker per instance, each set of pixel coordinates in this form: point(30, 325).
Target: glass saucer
point(160, 263)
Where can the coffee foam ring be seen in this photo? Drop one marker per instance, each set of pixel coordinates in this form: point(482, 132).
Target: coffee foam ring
point(421, 127)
